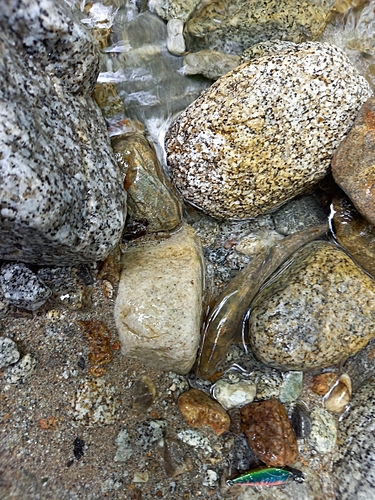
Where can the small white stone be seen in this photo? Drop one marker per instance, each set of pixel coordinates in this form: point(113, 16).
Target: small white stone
point(8, 352)
point(234, 395)
point(175, 40)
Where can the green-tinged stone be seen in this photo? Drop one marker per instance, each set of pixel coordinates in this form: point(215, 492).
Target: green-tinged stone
point(291, 387)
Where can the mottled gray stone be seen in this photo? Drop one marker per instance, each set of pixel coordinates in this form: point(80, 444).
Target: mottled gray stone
point(21, 371)
point(21, 287)
point(265, 49)
point(354, 461)
point(61, 195)
point(159, 303)
point(317, 312)
point(299, 214)
point(124, 448)
point(234, 395)
point(323, 433)
point(150, 432)
point(266, 131)
point(291, 387)
point(173, 9)
point(233, 25)
point(9, 353)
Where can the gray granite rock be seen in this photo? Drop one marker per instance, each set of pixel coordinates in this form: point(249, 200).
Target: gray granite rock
point(266, 131)
point(21, 371)
point(9, 353)
point(299, 214)
point(354, 461)
point(61, 194)
point(210, 63)
point(323, 435)
point(159, 303)
point(22, 287)
point(173, 9)
point(265, 49)
point(233, 25)
point(314, 314)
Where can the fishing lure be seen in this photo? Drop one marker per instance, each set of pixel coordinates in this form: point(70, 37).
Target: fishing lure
point(226, 316)
point(268, 476)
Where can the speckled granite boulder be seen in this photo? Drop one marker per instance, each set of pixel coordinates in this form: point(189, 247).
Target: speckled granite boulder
point(61, 192)
point(265, 131)
point(354, 462)
point(234, 25)
point(319, 311)
point(159, 303)
point(353, 166)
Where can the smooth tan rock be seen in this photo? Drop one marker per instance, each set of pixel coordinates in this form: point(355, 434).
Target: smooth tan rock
point(317, 312)
point(339, 397)
point(269, 432)
point(159, 303)
point(353, 165)
point(200, 410)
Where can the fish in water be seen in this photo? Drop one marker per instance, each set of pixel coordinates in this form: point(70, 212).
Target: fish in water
point(268, 476)
point(227, 314)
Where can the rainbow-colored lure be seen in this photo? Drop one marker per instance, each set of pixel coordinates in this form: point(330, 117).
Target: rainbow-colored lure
point(268, 476)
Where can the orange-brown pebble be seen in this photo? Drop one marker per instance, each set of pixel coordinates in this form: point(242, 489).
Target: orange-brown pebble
point(110, 269)
point(100, 341)
point(269, 432)
point(97, 371)
point(48, 424)
point(323, 382)
point(200, 410)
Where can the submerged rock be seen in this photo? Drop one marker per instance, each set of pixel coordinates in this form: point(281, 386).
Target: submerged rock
point(265, 49)
point(159, 303)
point(20, 372)
point(61, 196)
point(354, 233)
point(353, 165)
point(269, 433)
point(233, 25)
point(150, 195)
point(9, 353)
point(210, 63)
point(175, 40)
point(354, 461)
point(317, 312)
point(252, 142)
point(173, 9)
point(323, 435)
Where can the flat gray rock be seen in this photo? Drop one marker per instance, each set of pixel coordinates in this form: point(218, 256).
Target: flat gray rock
point(266, 131)
point(61, 194)
point(9, 353)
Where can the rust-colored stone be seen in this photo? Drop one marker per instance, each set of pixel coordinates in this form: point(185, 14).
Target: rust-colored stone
point(323, 382)
point(200, 410)
point(100, 341)
point(353, 165)
point(97, 371)
point(110, 268)
point(48, 424)
point(269, 433)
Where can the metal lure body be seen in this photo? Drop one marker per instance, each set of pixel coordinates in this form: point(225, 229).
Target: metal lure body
point(268, 476)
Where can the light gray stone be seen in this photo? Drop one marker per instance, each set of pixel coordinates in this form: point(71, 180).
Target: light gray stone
point(354, 461)
point(21, 371)
point(291, 387)
point(21, 287)
point(159, 303)
point(61, 193)
point(323, 435)
point(234, 395)
point(299, 214)
point(266, 131)
point(9, 353)
point(173, 9)
point(314, 314)
point(124, 448)
point(175, 40)
point(209, 63)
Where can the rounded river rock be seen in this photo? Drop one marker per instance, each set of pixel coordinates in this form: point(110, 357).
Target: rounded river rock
point(265, 131)
point(317, 312)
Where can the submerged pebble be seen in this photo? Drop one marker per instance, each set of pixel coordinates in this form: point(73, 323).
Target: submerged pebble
point(291, 387)
point(301, 421)
point(234, 395)
point(175, 40)
point(124, 448)
point(21, 371)
point(323, 435)
point(339, 397)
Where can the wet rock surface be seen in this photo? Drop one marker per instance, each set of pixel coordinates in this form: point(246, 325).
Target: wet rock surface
point(200, 410)
point(233, 25)
point(159, 302)
point(353, 165)
point(67, 201)
point(246, 146)
point(354, 460)
point(269, 433)
point(210, 63)
point(307, 318)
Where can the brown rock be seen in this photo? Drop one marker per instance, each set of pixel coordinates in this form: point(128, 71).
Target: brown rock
point(269, 433)
point(199, 410)
point(353, 165)
point(354, 233)
point(100, 341)
point(323, 382)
